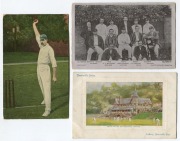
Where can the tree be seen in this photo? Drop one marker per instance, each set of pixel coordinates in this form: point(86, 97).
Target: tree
point(93, 13)
point(100, 100)
point(18, 32)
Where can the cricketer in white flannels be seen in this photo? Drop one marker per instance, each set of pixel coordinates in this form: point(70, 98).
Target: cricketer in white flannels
point(46, 56)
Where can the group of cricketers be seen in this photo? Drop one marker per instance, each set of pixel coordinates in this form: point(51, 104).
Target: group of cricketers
point(110, 41)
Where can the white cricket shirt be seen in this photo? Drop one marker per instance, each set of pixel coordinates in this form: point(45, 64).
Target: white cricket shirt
point(46, 54)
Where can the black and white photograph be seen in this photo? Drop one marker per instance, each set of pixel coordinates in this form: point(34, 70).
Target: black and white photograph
point(123, 35)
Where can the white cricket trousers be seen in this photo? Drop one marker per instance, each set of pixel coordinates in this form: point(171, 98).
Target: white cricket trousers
point(90, 52)
point(127, 47)
point(44, 78)
point(156, 50)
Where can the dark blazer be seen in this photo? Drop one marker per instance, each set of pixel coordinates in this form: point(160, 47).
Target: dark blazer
point(86, 34)
point(133, 38)
point(111, 40)
point(100, 42)
point(129, 28)
point(137, 52)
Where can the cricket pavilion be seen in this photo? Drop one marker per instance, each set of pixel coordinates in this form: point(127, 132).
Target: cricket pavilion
point(127, 107)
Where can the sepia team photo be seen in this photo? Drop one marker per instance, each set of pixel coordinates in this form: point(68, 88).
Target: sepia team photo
point(121, 33)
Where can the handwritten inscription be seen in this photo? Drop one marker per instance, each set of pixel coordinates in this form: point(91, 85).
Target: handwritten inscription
point(157, 134)
point(85, 75)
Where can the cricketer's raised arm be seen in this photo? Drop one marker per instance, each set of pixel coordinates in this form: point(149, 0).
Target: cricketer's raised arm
point(35, 28)
point(37, 34)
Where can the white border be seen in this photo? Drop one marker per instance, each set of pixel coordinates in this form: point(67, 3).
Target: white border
point(58, 130)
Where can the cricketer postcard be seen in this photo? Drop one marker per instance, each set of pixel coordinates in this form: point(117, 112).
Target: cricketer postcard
point(36, 66)
point(123, 35)
point(112, 105)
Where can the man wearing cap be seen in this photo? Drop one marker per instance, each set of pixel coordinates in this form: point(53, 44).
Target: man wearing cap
point(124, 41)
point(96, 44)
point(46, 55)
point(102, 29)
point(112, 26)
point(136, 24)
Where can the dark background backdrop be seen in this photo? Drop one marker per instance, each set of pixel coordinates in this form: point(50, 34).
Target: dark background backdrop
point(19, 35)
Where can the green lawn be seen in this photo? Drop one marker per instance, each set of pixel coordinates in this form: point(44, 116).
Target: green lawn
point(148, 115)
point(142, 119)
point(19, 57)
point(28, 93)
point(105, 122)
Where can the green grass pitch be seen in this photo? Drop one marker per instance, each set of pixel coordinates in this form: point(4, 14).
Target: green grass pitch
point(110, 122)
point(142, 119)
point(28, 93)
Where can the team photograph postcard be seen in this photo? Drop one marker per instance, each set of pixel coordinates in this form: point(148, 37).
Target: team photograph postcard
point(123, 35)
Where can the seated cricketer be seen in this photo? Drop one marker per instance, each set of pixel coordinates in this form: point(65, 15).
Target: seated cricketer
point(96, 44)
point(111, 50)
point(154, 37)
point(111, 39)
point(140, 52)
point(124, 41)
point(110, 53)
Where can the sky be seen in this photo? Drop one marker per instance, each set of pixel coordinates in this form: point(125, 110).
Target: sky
point(91, 86)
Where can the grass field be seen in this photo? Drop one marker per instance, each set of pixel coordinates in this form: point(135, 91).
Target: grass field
point(105, 122)
point(27, 90)
point(19, 57)
point(143, 119)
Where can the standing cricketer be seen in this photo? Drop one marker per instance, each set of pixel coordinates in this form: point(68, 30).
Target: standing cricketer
point(46, 55)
